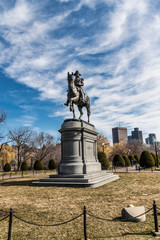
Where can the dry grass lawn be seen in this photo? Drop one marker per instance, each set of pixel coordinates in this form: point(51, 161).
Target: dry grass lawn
point(49, 205)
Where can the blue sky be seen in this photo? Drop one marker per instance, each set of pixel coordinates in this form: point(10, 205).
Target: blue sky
point(115, 44)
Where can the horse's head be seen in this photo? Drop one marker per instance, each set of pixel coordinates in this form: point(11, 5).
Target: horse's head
point(70, 77)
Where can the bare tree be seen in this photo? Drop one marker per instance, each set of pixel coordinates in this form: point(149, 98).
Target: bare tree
point(21, 137)
point(56, 155)
point(135, 147)
point(3, 117)
point(123, 148)
point(120, 148)
point(103, 144)
point(102, 140)
point(45, 146)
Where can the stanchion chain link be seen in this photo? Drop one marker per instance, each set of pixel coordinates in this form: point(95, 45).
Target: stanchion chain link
point(92, 215)
point(4, 218)
point(50, 225)
point(158, 208)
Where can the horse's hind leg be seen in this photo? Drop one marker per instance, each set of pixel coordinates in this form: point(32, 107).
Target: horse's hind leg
point(71, 106)
point(74, 116)
point(88, 112)
point(81, 112)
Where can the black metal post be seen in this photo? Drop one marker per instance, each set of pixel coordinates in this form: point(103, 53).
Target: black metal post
point(31, 162)
point(82, 141)
point(10, 224)
point(157, 162)
point(85, 223)
point(103, 146)
point(155, 216)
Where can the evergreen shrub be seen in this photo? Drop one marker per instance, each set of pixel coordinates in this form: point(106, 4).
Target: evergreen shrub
point(24, 166)
point(146, 159)
point(103, 160)
point(7, 167)
point(52, 164)
point(38, 165)
point(155, 159)
point(127, 161)
point(131, 157)
point(153, 155)
point(118, 161)
point(137, 158)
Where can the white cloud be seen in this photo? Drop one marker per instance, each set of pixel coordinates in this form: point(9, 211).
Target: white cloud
point(24, 120)
point(119, 61)
point(20, 14)
point(65, 0)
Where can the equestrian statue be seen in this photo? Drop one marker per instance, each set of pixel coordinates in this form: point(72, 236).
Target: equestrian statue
point(76, 95)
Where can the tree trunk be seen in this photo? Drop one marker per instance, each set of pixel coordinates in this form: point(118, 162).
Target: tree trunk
point(19, 159)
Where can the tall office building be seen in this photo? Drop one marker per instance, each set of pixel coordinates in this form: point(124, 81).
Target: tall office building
point(119, 134)
point(137, 135)
point(130, 138)
point(150, 140)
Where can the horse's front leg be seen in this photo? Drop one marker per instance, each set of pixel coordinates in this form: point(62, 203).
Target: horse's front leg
point(71, 106)
point(74, 116)
point(88, 113)
point(81, 112)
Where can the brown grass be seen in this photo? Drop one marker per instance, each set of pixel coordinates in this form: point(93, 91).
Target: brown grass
point(49, 205)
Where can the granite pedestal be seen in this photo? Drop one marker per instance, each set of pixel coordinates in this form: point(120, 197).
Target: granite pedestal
point(79, 165)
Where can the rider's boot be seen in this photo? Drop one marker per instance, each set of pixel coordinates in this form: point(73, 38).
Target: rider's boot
point(66, 103)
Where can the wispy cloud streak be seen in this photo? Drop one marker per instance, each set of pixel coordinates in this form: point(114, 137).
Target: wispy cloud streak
point(114, 44)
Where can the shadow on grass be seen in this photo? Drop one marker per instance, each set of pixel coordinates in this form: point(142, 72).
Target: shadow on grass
point(17, 183)
point(122, 235)
point(118, 219)
point(138, 234)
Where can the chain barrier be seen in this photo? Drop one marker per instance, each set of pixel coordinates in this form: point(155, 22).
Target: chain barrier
point(122, 220)
point(50, 225)
point(84, 214)
point(4, 218)
point(92, 215)
point(158, 208)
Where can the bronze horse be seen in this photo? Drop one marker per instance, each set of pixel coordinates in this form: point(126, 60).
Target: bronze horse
point(74, 98)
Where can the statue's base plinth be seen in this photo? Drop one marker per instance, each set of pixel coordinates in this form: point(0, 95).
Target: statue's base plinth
point(74, 180)
point(79, 166)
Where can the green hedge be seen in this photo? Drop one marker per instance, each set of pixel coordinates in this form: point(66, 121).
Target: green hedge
point(118, 161)
point(137, 158)
point(103, 160)
point(131, 157)
point(52, 164)
point(7, 167)
point(38, 165)
point(24, 166)
point(146, 159)
point(127, 161)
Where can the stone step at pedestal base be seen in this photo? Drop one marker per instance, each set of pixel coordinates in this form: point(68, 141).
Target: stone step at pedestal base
point(74, 180)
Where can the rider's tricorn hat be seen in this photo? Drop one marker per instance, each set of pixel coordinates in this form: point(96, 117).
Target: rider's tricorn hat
point(77, 74)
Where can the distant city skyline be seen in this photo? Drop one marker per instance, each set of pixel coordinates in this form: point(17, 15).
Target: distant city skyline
point(121, 134)
point(115, 45)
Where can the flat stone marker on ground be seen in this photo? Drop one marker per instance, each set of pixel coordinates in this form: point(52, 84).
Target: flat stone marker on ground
point(131, 213)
